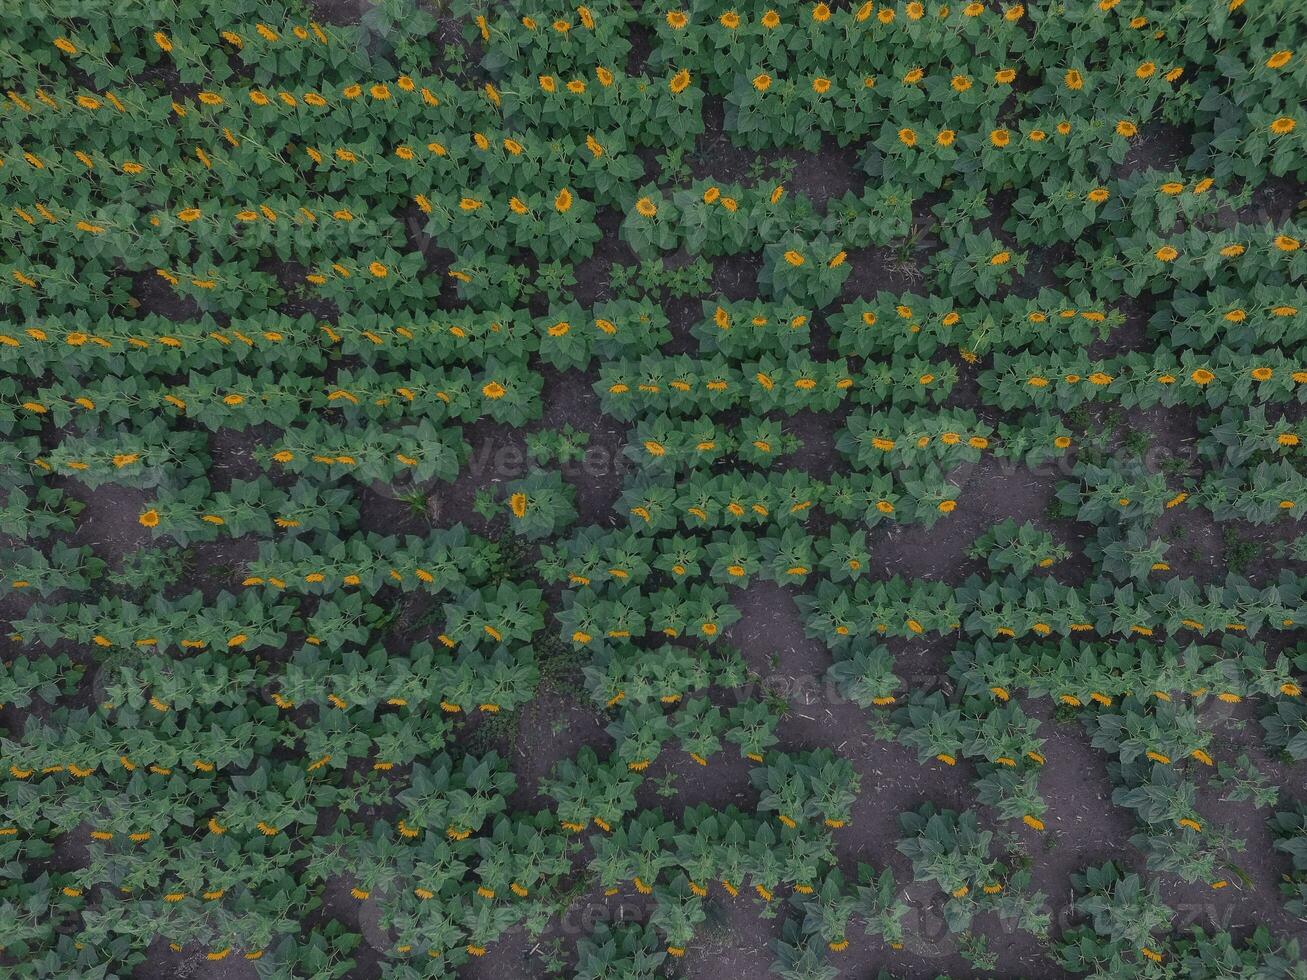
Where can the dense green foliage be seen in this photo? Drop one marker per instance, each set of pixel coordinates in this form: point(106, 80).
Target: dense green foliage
point(276, 629)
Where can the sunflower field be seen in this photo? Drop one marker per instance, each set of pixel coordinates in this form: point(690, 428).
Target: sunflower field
point(653, 489)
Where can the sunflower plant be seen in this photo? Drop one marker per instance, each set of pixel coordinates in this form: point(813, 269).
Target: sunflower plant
point(811, 272)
